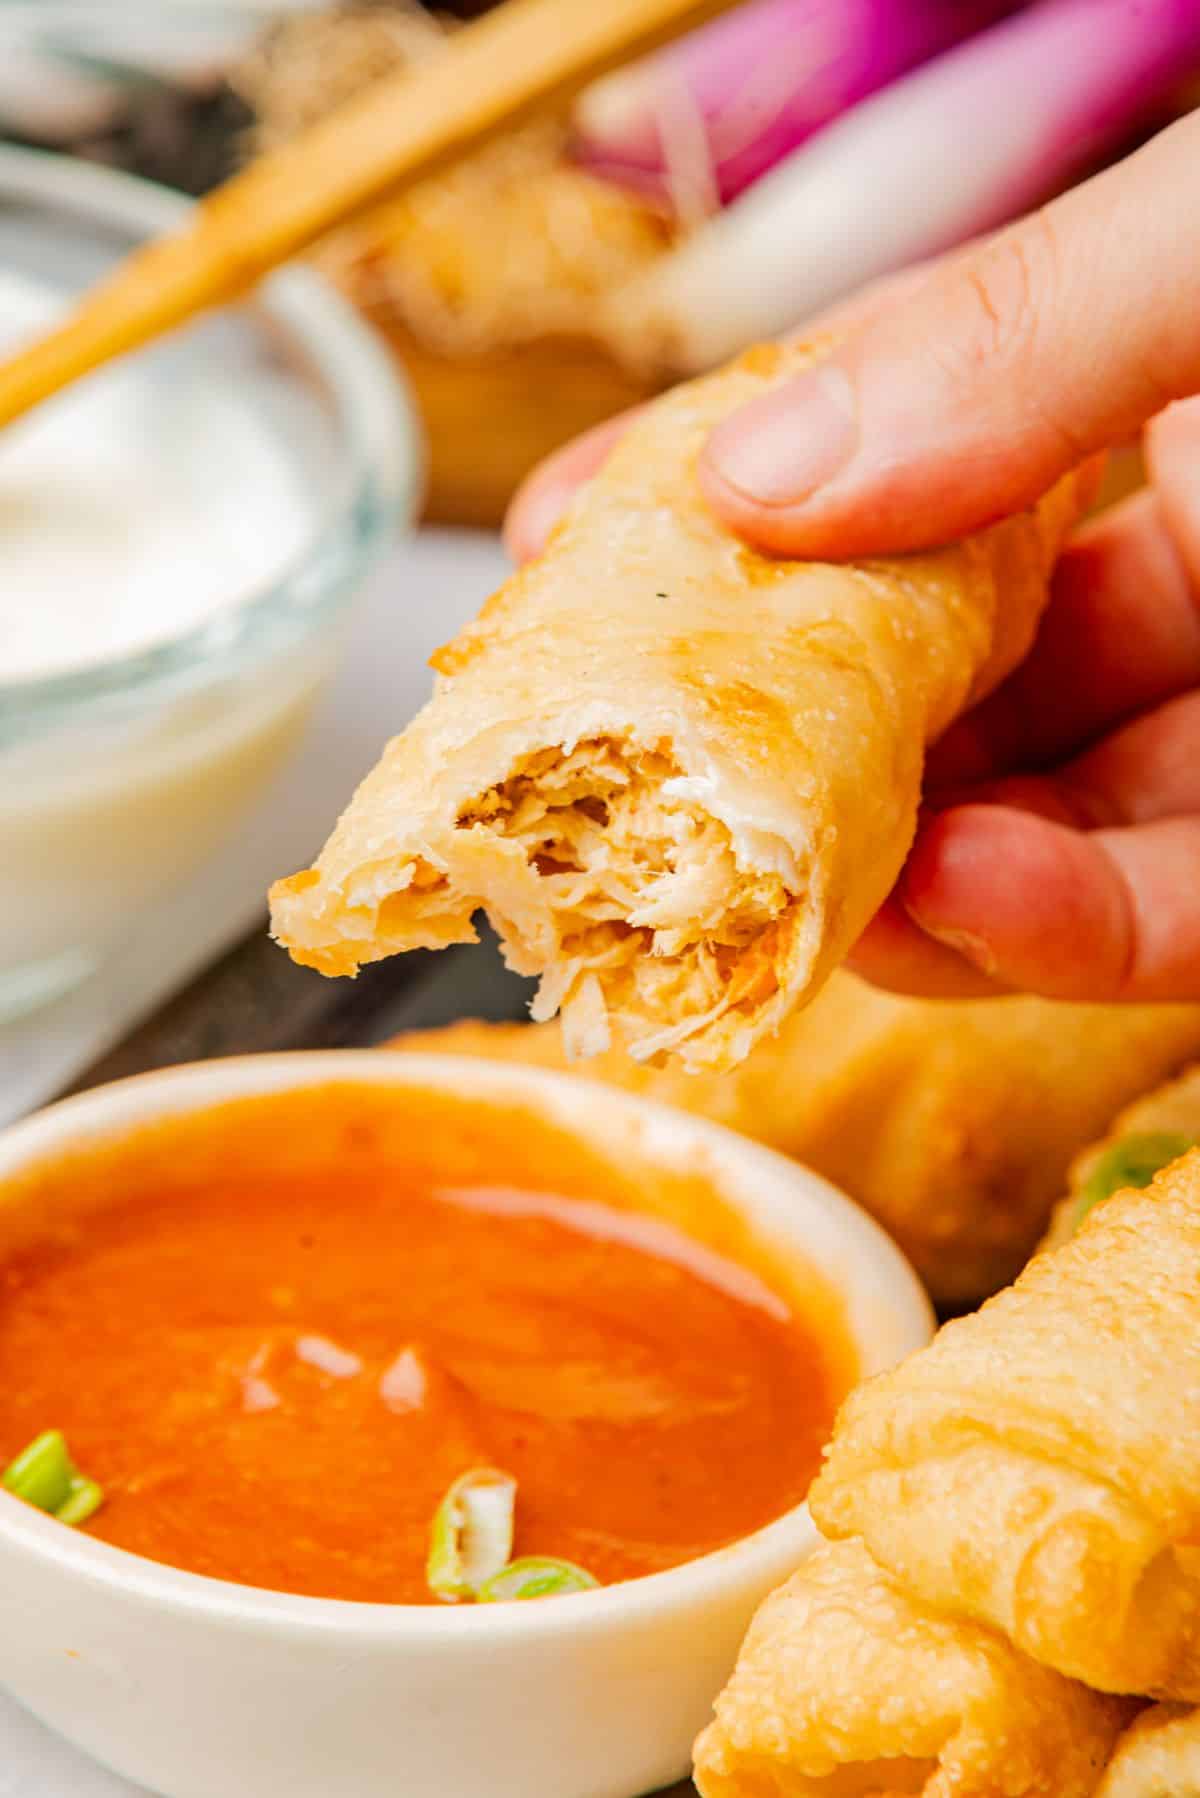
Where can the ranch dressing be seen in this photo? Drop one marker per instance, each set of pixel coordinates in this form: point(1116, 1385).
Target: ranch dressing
point(131, 511)
point(136, 509)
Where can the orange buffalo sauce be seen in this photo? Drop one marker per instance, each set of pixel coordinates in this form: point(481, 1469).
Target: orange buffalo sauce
point(277, 1331)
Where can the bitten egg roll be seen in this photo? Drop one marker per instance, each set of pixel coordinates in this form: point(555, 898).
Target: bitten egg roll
point(848, 1688)
point(1157, 1757)
point(1037, 1468)
point(952, 1122)
point(1145, 1136)
point(678, 776)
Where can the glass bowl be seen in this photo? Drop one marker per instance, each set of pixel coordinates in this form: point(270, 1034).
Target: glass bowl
point(120, 776)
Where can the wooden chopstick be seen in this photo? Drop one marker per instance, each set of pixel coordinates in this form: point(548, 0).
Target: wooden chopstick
point(493, 72)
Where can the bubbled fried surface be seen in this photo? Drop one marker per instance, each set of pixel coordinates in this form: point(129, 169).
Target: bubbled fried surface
point(848, 1688)
point(1037, 1467)
point(1157, 1757)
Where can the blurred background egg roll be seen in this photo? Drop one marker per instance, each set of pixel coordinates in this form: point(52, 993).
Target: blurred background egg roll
point(953, 1122)
point(1142, 1138)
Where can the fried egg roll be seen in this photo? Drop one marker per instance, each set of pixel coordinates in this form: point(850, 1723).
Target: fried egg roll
point(1157, 1757)
point(847, 1688)
point(1144, 1138)
point(953, 1122)
point(678, 776)
point(1037, 1468)
point(491, 279)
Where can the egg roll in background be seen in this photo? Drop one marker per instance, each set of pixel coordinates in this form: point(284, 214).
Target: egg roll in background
point(1037, 1468)
point(1154, 1130)
point(507, 355)
point(846, 1687)
point(679, 776)
point(1157, 1757)
point(953, 1122)
point(490, 279)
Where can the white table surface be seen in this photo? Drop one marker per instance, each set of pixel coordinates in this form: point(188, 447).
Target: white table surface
point(430, 586)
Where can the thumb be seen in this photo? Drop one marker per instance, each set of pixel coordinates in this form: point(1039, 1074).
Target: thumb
point(983, 384)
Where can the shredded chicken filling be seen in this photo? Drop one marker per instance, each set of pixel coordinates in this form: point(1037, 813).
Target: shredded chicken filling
point(653, 917)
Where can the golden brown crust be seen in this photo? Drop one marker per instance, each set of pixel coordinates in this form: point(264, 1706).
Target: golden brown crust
point(679, 778)
point(847, 1688)
point(953, 1123)
point(1036, 1468)
point(1157, 1757)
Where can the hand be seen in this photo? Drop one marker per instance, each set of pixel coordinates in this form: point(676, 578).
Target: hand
point(1060, 848)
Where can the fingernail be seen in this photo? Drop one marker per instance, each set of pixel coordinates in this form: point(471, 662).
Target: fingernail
point(779, 450)
point(972, 948)
point(526, 531)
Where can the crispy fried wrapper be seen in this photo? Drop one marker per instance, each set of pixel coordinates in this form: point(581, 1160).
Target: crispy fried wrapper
point(678, 776)
point(1160, 1124)
point(1038, 1466)
point(847, 1688)
point(953, 1123)
point(1157, 1757)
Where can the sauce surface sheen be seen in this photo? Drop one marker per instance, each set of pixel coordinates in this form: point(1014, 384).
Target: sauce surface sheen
point(275, 1378)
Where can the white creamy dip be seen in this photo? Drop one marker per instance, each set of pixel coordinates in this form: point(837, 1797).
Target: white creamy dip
point(135, 509)
point(131, 510)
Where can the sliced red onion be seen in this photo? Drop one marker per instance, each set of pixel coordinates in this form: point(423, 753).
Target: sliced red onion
point(955, 149)
point(703, 119)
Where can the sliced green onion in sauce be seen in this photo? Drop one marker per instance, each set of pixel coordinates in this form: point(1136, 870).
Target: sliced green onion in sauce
point(44, 1475)
point(85, 1500)
point(1133, 1161)
point(535, 1576)
point(472, 1534)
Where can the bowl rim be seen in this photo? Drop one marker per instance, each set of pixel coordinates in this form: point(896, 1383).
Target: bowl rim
point(665, 1133)
point(382, 448)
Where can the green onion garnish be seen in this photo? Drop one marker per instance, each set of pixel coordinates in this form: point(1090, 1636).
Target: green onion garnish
point(1133, 1161)
point(535, 1576)
point(472, 1534)
point(44, 1475)
point(85, 1500)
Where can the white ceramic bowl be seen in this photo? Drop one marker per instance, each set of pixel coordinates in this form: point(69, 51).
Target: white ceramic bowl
point(203, 1689)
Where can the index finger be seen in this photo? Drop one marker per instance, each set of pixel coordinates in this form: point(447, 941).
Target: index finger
point(545, 494)
point(1121, 634)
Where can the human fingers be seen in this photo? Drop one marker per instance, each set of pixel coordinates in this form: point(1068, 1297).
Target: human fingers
point(1121, 634)
point(974, 393)
point(1041, 907)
